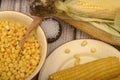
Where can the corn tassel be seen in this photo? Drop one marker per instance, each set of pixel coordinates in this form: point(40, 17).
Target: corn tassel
point(102, 69)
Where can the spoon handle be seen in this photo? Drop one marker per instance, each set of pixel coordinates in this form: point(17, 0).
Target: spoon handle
point(34, 24)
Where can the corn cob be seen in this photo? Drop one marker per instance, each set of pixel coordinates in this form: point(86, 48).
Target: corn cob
point(102, 69)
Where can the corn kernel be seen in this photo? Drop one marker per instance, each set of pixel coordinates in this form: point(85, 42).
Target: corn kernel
point(93, 50)
point(12, 77)
point(76, 56)
point(9, 73)
point(22, 75)
point(7, 69)
point(33, 62)
point(84, 43)
point(8, 60)
point(8, 51)
point(77, 62)
point(17, 76)
point(2, 49)
point(77, 59)
point(67, 51)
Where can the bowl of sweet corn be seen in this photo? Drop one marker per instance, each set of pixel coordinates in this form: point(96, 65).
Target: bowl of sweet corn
point(20, 63)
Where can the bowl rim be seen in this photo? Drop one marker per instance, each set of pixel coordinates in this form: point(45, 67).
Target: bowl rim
point(45, 40)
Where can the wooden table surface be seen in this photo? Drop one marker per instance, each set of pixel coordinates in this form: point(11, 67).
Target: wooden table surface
point(68, 32)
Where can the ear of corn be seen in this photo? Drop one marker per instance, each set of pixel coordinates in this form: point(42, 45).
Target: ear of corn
point(102, 69)
point(93, 8)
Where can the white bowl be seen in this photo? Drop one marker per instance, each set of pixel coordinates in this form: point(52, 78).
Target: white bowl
point(26, 20)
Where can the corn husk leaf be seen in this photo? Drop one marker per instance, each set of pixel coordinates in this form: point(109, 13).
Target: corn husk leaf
point(117, 21)
point(87, 19)
point(94, 31)
point(105, 28)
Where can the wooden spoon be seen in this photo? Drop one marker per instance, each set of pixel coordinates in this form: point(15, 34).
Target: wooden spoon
point(34, 24)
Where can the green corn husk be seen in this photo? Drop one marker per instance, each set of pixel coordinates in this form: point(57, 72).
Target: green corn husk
point(77, 12)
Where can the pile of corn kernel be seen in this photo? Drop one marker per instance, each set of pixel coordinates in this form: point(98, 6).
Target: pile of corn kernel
point(17, 63)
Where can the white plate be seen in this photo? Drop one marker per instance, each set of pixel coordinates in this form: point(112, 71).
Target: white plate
point(60, 60)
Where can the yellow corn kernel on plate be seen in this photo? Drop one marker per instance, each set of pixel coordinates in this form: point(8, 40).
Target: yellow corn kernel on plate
point(76, 52)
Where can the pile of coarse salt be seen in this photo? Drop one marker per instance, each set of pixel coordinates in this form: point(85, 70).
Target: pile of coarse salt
point(52, 29)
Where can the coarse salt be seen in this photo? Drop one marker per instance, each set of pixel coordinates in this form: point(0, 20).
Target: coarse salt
point(51, 28)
